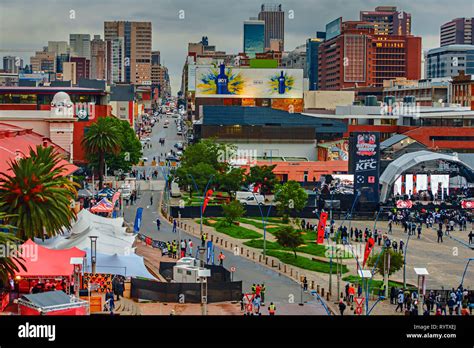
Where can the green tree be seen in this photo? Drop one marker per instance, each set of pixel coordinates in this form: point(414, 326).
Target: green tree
point(101, 138)
point(231, 180)
point(396, 261)
point(288, 237)
point(289, 197)
point(201, 173)
point(262, 176)
point(233, 211)
point(130, 148)
point(207, 151)
point(37, 195)
point(10, 261)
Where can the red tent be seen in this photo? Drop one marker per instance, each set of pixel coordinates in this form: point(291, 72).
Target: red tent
point(43, 262)
point(104, 206)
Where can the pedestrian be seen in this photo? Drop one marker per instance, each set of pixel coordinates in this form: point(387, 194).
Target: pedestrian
point(471, 235)
point(203, 240)
point(183, 248)
point(158, 224)
point(262, 292)
point(400, 301)
point(271, 309)
point(174, 225)
point(109, 302)
point(221, 258)
point(190, 247)
point(256, 304)
point(342, 306)
point(440, 235)
point(305, 284)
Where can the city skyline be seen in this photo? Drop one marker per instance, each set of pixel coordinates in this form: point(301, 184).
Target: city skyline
point(171, 32)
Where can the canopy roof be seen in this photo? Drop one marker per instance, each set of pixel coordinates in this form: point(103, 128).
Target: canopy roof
point(409, 160)
point(48, 298)
point(126, 265)
point(43, 262)
point(112, 236)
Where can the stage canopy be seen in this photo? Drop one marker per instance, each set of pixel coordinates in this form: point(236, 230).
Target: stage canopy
point(410, 160)
point(43, 262)
point(126, 265)
point(112, 236)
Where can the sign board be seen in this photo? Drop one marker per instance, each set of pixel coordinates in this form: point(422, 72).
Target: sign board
point(359, 301)
point(232, 269)
point(230, 82)
point(365, 164)
point(401, 204)
point(359, 310)
point(467, 204)
point(333, 28)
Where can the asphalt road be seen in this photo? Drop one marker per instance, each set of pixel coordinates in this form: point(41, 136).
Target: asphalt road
point(285, 293)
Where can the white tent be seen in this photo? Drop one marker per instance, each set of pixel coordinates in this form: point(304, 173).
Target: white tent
point(407, 161)
point(126, 265)
point(112, 236)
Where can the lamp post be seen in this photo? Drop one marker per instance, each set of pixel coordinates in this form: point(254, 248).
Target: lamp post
point(93, 253)
point(264, 221)
point(465, 270)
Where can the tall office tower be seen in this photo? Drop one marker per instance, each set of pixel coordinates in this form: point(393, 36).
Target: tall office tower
point(58, 47)
point(457, 32)
point(274, 19)
point(254, 37)
point(137, 48)
point(115, 60)
point(82, 67)
point(80, 45)
point(388, 20)
point(312, 63)
point(98, 54)
point(12, 64)
point(155, 58)
point(448, 61)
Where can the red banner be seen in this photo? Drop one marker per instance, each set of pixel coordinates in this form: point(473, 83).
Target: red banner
point(467, 204)
point(368, 248)
point(404, 204)
point(321, 227)
point(206, 200)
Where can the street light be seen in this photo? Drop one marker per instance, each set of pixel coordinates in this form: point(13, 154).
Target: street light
point(264, 221)
point(465, 270)
point(93, 253)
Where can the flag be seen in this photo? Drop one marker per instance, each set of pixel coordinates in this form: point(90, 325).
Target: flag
point(138, 220)
point(256, 188)
point(206, 199)
point(321, 227)
point(368, 248)
point(209, 251)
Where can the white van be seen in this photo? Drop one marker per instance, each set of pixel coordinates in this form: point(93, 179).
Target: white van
point(175, 191)
point(246, 197)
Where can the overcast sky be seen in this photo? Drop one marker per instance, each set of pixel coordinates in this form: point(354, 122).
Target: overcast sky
point(29, 24)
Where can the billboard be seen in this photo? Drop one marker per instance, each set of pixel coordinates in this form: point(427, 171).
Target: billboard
point(365, 164)
point(333, 28)
point(229, 82)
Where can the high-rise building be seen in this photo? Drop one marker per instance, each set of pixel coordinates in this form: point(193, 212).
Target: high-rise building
point(58, 47)
point(155, 58)
point(295, 59)
point(43, 61)
point(98, 58)
point(388, 20)
point(80, 45)
point(115, 60)
point(160, 80)
point(69, 72)
point(449, 61)
point(457, 32)
point(82, 67)
point(12, 64)
point(357, 57)
point(137, 48)
point(254, 37)
point(274, 19)
point(312, 62)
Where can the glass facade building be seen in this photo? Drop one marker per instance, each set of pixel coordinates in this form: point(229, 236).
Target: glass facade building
point(254, 37)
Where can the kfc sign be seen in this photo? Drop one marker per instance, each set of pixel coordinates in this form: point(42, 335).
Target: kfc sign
point(467, 204)
point(404, 204)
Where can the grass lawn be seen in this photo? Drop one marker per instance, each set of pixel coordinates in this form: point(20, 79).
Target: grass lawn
point(304, 262)
point(234, 231)
point(375, 285)
point(259, 224)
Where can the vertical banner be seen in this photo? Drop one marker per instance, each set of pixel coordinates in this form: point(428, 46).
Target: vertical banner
point(365, 164)
point(209, 251)
point(321, 227)
point(138, 220)
point(368, 248)
point(209, 193)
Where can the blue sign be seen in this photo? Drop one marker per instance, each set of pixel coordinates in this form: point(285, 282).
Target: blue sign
point(333, 28)
point(138, 220)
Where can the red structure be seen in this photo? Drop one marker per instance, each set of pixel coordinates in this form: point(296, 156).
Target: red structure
point(358, 57)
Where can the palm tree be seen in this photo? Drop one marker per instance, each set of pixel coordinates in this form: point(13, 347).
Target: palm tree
point(9, 263)
point(37, 195)
point(101, 138)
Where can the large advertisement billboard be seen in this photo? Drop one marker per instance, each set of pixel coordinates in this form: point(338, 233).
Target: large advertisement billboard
point(229, 82)
point(333, 28)
point(365, 164)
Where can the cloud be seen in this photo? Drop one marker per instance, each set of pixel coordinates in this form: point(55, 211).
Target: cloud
point(30, 24)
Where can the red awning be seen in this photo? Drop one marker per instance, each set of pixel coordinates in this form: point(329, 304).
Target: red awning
point(43, 262)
